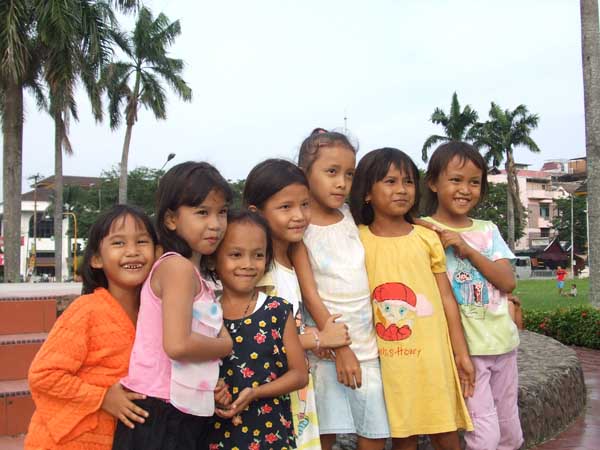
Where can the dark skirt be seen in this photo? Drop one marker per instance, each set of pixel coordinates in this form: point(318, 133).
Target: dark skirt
point(166, 428)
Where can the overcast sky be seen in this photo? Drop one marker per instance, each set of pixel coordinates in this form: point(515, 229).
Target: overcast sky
point(266, 72)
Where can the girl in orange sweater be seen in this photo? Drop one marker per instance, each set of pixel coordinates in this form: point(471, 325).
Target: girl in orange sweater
point(74, 378)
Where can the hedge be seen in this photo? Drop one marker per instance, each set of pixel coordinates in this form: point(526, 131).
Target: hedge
point(577, 325)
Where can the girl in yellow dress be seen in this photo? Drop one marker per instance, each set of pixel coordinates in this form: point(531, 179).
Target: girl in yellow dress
point(424, 357)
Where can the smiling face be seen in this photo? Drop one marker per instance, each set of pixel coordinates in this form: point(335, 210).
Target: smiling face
point(458, 188)
point(241, 257)
point(126, 254)
point(288, 213)
point(330, 177)
point(394, 195)
point(201, 226)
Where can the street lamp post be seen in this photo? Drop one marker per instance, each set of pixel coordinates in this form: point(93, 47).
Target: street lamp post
point(572, 242)
point(35, 179)
point(169, 158)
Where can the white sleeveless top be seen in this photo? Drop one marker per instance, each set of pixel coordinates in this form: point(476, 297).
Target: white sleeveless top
point(337, 258)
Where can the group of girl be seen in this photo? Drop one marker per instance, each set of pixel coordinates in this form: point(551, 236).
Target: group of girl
point(332, 318)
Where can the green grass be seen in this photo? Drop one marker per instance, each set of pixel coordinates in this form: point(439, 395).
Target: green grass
point(542, 295)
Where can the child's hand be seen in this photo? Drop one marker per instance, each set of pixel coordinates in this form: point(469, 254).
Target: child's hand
point(118, 403)
point(222, 395)
point(227, 341)
point(325, 353)
point(247, 396)
point(348, 368)
point(466, 374)
point(334, 334)
point(454, 240)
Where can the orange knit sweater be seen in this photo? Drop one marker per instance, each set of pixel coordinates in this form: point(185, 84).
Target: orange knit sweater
point(86, 352)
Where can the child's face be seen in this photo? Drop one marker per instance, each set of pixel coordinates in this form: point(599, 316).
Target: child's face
point(458, 187)
point(394, 195)
point(201, 226)
point(288, 213)
point(241, 257)
point(126, 253)
point(330, 177)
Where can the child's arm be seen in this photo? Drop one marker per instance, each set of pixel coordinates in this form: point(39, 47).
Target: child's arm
point(66, 403)
point(295, 378)
point(499, 272)
point(332, 334)
point(466, 371)
point(347, 364)
point(177, 287)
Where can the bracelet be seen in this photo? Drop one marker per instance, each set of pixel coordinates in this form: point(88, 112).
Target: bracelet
point(317, 340)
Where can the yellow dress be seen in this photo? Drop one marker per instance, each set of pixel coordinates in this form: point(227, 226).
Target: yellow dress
point(420, 381)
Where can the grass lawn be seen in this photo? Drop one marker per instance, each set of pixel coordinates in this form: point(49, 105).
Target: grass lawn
point(542, 295)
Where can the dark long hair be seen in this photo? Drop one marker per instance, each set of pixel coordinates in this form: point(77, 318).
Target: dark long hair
point(95, 278)
point(268, 178)
point(186, 184)
point(372, 168)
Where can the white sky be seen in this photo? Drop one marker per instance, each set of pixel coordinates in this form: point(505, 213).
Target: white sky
point(264, 73)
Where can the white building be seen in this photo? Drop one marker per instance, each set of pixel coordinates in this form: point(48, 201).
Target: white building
point(538, 193)
point(43, 262)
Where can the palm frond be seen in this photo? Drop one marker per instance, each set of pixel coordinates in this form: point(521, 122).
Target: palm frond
point(430, 142)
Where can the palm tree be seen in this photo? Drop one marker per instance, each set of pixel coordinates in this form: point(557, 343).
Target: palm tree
point(19, 69)
point(137, 81)
point(76, 37)
point(456, 125)
point(590, 43)
point(504, 131)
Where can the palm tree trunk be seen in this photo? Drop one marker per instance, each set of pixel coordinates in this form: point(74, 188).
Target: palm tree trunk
point(512, 199)
point(12, 131)
point(123, 167)
point(590, 44)
point(131, 112)
point(58, 196)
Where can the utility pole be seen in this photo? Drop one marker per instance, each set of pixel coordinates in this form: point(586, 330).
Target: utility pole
point(33, 259)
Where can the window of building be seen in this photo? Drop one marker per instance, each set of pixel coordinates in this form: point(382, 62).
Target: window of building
point(544, 232)
point(45, 226)
point(545, 211)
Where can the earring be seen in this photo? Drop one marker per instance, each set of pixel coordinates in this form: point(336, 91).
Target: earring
point(367, 202)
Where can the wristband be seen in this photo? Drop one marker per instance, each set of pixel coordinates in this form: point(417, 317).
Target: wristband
point(317, 340)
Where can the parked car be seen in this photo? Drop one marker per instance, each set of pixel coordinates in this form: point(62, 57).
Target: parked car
point(522, 267)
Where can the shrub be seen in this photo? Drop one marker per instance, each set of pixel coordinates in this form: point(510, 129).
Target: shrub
point(578, 325)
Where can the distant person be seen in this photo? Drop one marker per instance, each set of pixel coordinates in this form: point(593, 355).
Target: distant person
point(573, 292)
point(74, 378)
point(560, 279)
point(481, 275)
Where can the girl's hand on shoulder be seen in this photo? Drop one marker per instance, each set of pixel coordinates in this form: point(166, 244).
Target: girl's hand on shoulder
point(334, 334)
point(118, 402)
point(453, 239)
point(247, 396)
point(348, 368)
point(222, 395)
point(466, 374)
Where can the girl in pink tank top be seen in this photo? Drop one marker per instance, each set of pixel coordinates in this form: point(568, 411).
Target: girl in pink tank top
point(180, 336)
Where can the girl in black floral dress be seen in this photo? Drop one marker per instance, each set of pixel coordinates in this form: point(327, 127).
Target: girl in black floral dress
point(267, 361)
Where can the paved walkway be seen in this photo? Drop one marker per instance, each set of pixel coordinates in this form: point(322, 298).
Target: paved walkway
point(584, 434)
point(17, 290)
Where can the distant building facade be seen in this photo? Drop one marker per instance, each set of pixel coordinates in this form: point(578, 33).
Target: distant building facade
point(42, 264)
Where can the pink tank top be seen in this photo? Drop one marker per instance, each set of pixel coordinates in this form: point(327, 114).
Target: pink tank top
point(187, 386)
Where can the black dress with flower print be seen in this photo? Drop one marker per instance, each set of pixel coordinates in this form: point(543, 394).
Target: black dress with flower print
point(258, 357)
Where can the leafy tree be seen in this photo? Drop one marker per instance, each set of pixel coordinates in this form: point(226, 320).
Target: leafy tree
point(562, 221)
point(590, 46)
point(504, 131)
point(493, 208)
point(148, 62)
point(238, 191)
point(456, 125)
